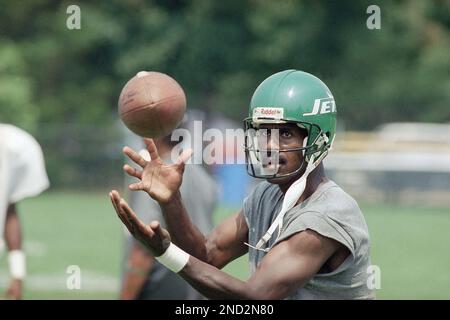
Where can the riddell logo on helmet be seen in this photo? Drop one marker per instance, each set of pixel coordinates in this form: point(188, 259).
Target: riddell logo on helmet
point(321, 106)
point(265, 112)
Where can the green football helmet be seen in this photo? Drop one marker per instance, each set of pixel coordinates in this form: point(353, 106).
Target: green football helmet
point(290, 96)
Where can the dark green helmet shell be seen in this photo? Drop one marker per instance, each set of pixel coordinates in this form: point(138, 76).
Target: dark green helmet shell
point(300, 97)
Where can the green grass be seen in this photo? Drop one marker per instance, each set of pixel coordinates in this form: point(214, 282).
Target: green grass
point(63, 229)
point(410, 245)
point(412, 248)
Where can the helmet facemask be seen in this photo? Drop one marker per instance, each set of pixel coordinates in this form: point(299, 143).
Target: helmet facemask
point(264, 163)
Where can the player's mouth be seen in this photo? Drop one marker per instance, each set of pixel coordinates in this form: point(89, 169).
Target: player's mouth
point(270, 164)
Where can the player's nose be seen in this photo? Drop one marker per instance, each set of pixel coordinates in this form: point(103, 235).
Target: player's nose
point(273, 141)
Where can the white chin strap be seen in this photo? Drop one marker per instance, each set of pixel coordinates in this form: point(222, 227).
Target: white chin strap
point(291, 197)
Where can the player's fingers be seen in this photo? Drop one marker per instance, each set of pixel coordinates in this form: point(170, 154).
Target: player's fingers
point(151, 147)
point(155, 225)
point(136, 186)
point(161, 233)
point(126, 223)
point(183, 158)
point(126, 218)
point(132, 171)
point(157, 229)
point(115, 199)
point(134, 220)
point(133, 155)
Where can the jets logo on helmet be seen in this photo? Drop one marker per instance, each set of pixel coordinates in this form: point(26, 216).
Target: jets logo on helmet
point(321, 106)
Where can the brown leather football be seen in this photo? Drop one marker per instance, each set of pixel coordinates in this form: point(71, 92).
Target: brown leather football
point(152, 104)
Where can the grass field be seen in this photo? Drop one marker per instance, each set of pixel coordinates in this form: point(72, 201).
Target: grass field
point(410, 245)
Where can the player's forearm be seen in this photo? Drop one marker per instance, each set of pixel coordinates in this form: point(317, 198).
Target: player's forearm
point(183, 232)
point(16, 257)
point(216, 284)
point(13, 234)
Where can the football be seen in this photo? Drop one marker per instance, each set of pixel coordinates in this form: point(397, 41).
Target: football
point(152, 104)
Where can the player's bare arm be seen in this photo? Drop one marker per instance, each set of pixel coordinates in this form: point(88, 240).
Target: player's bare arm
point(162, 182)
point(227, 241)
point(13, 239)
point(302, 256)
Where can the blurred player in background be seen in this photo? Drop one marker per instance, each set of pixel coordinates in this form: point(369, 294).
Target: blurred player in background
point(22, 175)
point(144, 277)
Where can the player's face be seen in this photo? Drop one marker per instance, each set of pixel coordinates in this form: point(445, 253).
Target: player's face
point(290, 136)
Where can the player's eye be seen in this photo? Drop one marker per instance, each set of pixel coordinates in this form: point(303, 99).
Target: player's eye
point(285, 133)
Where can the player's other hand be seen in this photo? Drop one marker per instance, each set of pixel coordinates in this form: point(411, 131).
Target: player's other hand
point(161, 181)
point(14, 291)
point(152, 236)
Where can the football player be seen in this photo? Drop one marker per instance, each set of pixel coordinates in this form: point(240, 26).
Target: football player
point(306, 237)
point(22, 175)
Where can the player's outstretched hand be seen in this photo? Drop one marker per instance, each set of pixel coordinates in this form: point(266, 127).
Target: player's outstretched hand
point(161, 181)
point(152, 236)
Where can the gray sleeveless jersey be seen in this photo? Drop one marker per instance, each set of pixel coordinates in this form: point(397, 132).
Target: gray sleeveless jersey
point(332, 213)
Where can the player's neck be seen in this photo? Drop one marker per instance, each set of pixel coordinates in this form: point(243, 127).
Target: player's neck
point(315, 178)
